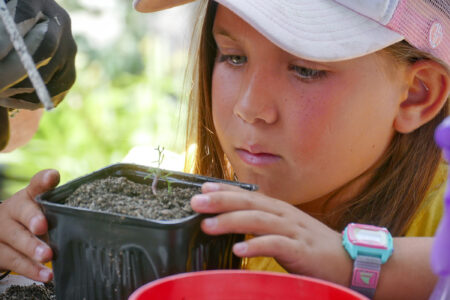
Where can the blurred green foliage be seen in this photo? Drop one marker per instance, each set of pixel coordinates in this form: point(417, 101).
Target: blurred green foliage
point(127, 93)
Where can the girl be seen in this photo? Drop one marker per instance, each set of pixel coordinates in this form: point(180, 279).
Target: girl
point(332, 114)
point(328, 107)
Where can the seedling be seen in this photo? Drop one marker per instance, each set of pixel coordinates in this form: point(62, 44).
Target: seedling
point(157, 173)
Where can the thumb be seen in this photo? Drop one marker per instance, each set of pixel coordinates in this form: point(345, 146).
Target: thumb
point(42, 182)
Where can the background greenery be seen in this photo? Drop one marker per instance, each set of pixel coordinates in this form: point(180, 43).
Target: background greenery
point(130, 75)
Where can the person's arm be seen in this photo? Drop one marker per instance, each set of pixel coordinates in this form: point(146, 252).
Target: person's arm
point(157, 5)
point(407, 274)
point(303, 245)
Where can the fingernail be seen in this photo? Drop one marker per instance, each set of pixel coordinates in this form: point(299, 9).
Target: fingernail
point(200, 200)
point(34, 223)
point(39, 253)
point(210, 187)
point(45, 274)
point(48, 176)
point(210, 222)
point(240, 248)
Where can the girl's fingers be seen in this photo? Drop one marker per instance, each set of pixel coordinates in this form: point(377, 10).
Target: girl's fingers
point(302, 256)
point(289, 253)
point(42, 182)
point(231, 200)
point(209, 187)
point(23, 241)
point(22, 207)
point(13, 260)
point(296, 240)
point(249, 222)
point(283, 249)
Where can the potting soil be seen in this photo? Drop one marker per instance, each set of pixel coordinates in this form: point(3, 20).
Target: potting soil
point(123, 196)
point(30, 292)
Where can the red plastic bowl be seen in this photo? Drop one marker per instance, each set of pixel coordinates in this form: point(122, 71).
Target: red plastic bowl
point(239, 284)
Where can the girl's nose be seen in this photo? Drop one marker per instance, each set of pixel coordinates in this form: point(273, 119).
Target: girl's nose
point(256, 102)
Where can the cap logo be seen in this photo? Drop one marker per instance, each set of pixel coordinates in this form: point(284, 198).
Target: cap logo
point(436, 34)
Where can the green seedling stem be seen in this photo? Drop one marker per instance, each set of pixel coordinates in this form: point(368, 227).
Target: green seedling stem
point(157, 173)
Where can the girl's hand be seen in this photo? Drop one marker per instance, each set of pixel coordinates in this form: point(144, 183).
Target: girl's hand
point(21, 222)
point(300, 243)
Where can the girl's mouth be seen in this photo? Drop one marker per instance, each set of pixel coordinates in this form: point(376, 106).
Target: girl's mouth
point(257, 158)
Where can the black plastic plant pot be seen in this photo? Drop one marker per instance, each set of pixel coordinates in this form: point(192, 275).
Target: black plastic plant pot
point(99, 255)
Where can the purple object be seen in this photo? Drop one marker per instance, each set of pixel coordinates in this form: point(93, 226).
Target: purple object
point(440, 255)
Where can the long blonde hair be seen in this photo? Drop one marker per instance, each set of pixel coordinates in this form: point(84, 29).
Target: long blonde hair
point(393, 194)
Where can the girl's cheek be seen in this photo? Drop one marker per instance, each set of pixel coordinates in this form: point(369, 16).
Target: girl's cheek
point(226, 78)
point(225, 89)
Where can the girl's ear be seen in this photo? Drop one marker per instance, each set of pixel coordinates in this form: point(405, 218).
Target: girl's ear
point(428, 90)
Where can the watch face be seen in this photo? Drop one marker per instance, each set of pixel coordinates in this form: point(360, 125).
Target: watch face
point(369, 237)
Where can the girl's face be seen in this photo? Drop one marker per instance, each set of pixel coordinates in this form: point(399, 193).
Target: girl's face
point(299, 129)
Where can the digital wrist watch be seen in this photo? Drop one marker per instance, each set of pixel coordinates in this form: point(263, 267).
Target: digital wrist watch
point(370, 247)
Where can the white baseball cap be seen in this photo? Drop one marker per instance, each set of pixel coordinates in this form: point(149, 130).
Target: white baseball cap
point(333, 30)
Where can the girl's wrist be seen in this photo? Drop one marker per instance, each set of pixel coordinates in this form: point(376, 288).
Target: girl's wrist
point(340, 264)
point(346, 268)
point(409, 268)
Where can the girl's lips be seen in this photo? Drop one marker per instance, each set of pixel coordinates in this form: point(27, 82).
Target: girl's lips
point(257, 159)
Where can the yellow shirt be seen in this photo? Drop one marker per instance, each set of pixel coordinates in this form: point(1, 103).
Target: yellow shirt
point(424, 223)
point(427, 218)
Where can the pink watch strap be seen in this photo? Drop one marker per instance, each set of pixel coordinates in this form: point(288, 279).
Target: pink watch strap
point(366, 270)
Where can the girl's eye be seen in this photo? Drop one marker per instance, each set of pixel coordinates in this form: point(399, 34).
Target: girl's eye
point(235, 60)
point(307, 73)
